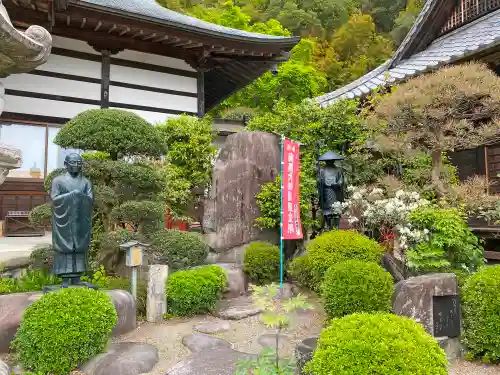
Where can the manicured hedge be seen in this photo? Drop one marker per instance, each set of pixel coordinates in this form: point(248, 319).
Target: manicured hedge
point(354, 287)
point(377, 344)
point(481, 312)
point(63, 329)
point(195, 291)
point(262, 263)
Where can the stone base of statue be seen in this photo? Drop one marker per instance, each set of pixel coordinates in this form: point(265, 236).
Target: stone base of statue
point(55, 288)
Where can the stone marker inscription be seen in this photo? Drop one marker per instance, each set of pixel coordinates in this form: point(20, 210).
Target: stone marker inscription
point(446, 316)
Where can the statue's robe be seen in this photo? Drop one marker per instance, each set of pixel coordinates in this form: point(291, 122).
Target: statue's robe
point(71, 224)
point(331, 188)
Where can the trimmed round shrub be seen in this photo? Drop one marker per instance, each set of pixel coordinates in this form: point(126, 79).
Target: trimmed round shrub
point(338, 246)
point(64, 329)
point(195, 291)
point(262, 263)
point(42, 258)
point(41, 216)
point(354, 287)
point(114, 131)
point(179, 249)
point(381, 344)
point(481, 312)
point(142, 216)
point(300, 270)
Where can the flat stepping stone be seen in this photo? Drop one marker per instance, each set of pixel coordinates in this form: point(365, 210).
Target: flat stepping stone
point(268, 340)
point(212, 326)
point(126, 358)
point(198, 342)
point(211, 362)
point(236, 308)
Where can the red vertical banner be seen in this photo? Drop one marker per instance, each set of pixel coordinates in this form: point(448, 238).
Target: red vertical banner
point(292, 227)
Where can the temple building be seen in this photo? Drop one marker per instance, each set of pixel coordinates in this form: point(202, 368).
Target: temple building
point(130, 54)
point(446, 32)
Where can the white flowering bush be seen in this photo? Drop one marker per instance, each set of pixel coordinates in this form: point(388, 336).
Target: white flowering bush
point(370, 210)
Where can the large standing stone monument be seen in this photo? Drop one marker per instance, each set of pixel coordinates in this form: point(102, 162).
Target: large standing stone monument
point(433, 301)
point(19, 53)
point(246, 161)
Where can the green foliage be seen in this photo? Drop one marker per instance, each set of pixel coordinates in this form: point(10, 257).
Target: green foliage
point(188, 161)
point(179, 249)
point(356, 286)
point(142, 216)
point(265, 364)
point(275, 314)
point(481, 306)
point(301, 270)
point(41, 216)
point(64, 329)
point(195, 291)
point(42, 258)
point(365, 344)
point(338, 246)
point(116, 132)
point(31, 281)
point(262, 263)
point(338, 125)
point(451, 246)
point(110, 255)
point(405, 20)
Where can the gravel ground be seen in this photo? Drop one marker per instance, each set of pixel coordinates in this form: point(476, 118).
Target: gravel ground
point(243, 334)
point(467, 368)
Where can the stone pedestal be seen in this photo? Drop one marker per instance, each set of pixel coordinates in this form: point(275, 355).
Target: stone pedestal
point(416, 298)
point(12, 307)
point(156, 306)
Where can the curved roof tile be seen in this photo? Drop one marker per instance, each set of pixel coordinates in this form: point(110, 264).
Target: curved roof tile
point(470, 39)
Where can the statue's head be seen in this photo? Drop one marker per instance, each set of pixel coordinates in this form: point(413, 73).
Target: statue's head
point(73, 163)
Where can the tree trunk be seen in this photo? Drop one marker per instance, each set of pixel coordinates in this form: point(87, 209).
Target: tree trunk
point(437, 165)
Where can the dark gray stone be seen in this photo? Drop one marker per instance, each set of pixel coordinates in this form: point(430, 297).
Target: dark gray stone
point(126, 358)
point(268, 340)
point(236, 308)
point(125, 308)
point(12, 308)
point(212, 326)
point(304, 352)
point(414, 297)
point(210, 362)
point(198, 342)
point(246, 161)
point(237, 284)
point(452, 347)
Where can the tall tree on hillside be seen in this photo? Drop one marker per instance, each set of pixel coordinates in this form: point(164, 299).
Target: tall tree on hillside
point(405, 20)
point(454, 108)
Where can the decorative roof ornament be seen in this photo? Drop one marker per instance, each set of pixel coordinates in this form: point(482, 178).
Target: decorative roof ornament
point(21, 52)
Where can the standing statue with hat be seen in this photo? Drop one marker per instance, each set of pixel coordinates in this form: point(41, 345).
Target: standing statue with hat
point(331, 187)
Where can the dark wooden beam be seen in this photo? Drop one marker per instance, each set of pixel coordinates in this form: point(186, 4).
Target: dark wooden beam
point(105, 74)
point(201, 94)
point(104, 40)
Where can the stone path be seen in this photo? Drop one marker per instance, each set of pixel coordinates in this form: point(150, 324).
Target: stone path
point(243, 336)
point(20, 247)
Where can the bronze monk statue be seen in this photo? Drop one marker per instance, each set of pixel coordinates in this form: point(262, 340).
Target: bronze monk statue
point(72, 199)
point(331, 188)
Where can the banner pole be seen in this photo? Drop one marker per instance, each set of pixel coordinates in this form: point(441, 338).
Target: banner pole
point(282, 153)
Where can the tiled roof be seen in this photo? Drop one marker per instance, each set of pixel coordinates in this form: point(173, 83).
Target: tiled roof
point(151, 10)
point(468, 40)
